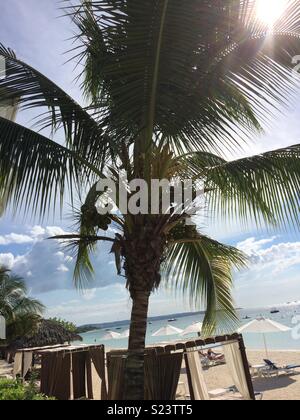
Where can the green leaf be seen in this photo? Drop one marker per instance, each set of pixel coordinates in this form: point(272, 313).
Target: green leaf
point(31, 89)
point(198, 72)
point(203, 269)
point(265, 187)
point(35, 171)
point(14, 301)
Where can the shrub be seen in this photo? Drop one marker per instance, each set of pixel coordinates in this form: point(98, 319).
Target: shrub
point(12, 390)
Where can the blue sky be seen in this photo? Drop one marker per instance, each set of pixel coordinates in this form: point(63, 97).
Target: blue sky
point(37, 34)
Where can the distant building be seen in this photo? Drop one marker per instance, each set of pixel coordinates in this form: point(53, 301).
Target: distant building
point(8, 98)
point(8, 109)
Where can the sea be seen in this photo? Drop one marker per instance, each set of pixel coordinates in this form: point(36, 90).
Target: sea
point(288, 315)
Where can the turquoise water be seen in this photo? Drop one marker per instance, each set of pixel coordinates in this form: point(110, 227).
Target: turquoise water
point(277, 341)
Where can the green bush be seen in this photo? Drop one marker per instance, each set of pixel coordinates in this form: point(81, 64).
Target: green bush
point(12, 390)
point(69, 326)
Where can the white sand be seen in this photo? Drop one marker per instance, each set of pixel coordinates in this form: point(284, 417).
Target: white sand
point(283, 387)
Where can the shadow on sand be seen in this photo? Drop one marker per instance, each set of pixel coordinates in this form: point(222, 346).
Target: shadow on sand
point(270, 384)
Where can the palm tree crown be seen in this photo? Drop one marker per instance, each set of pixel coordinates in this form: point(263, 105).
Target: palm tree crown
point(14, 301)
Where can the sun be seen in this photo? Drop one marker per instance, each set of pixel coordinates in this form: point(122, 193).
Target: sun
point(269, 11)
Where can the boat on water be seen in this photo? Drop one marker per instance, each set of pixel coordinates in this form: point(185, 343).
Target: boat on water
point(247, 317)
point(172, 320)
point(275, 311)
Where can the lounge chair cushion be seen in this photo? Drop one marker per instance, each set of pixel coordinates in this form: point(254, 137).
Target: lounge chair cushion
point(292, 367)
point(271, 364)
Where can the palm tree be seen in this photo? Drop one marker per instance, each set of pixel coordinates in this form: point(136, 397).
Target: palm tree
point(171, 86)
point(22, 326)
point(14, 301)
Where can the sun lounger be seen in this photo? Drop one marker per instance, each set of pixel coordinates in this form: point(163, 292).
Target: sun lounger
point(256, 370)
point(292, 367)
point(272, 369)
point(231, 393)
point(207, 363)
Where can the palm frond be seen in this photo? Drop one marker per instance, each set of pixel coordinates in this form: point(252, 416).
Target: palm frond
point(88, 220)
point(193, 72)
point(82, 248)
point(83, 244)
point(264, 187)
point(142, 58)
point(203, 269)
point(28, 305)
point(14, 301)
point(22, 325)
point(31, 89)
point(35, 171)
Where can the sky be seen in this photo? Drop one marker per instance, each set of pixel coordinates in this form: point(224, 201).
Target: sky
point(40, 37)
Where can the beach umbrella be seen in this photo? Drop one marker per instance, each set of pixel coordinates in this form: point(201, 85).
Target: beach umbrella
point(264, 326)
point(195, 328)
point(111, 335)
point(2, 328)
point(167, 330)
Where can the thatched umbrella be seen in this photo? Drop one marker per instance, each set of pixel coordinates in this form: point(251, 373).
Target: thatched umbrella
point(48, 333)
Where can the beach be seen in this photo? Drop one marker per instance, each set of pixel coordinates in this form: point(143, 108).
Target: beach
point(283, 387)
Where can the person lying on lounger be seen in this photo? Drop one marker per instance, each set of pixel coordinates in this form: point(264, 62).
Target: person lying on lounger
point(214, 356)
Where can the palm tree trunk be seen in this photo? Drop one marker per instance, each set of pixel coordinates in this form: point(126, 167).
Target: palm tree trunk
point(134, 371)
point(142, 251)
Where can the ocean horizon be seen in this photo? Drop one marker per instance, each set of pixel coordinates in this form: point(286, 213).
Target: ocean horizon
point(277, 341)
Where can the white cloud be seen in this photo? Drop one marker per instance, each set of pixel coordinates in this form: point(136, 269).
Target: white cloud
point(89, 294)
point(37, 231)
point(60, 255)
point(55, 231)
point(10, 261)
point(62, 268)
point(14, 238)
point(48, 266)
point(278, 257)
point(113, 304)
point(273, 272)
point(252, 246)
point(7, 260)
point(86, 313)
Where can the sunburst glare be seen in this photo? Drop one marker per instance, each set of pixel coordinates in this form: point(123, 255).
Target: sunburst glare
point(269, 11)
